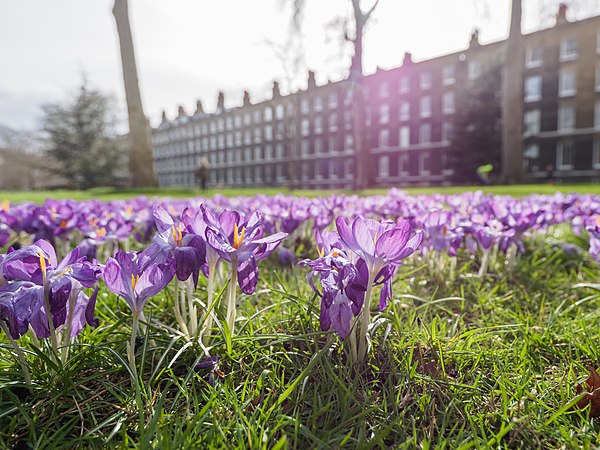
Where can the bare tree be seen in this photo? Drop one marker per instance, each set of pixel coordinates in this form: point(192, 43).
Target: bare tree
point(140, 151)
point(353, 30)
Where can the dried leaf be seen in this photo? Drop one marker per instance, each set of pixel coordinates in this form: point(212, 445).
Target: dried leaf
point(426, 365)
point(592, 394)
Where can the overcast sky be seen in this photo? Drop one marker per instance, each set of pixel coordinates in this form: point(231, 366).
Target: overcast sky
point(191, 49)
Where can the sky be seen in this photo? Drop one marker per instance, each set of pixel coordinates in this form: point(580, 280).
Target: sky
point(191, 49)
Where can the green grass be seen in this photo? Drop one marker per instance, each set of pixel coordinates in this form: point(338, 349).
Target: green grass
point(457, 362)
point(116, 194)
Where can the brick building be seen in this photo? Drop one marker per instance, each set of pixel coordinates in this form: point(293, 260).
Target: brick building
point(305, 139)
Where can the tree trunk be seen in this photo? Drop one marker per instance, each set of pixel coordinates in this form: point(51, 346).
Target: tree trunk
point(512, 101)
point(141, 172)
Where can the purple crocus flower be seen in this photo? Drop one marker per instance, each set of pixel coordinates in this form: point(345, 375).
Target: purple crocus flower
point(174, 245)
point(136, 283)
point(242, 244)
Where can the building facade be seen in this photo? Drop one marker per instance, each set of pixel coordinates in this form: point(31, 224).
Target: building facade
point(305, 139)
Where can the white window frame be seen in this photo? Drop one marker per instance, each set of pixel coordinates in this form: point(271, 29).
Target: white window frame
point(532, 58)
point(404, 110)
point(404, 137)
point(531, 122)
point(425, 80)
point(404, 87)
point(424, 158)
point(448, 99)
point(384, 138)
point(425, 133)
point(597, 114)
point(560, 157)
point(403, 169)
point(567, 82)
point(474, 69)
point(384, 114)
point(383, 166)
point(384, 89)
point(425, 106)
point(565, 112)
point(567, 53)
point(531, 82)
point(448, 74)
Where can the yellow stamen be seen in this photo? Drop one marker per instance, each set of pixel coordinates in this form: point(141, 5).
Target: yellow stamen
point(237, 237)
point(335, 254)
point(134, 281)
point(63, 224)
point(101, 232)
point(129, 210)
point(375, 239)
point(321, 251)
point(598, 221)
point(177, 234)
point(43, 264)
point(5, 205)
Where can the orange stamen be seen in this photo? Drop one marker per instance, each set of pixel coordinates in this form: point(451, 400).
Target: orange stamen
point(237, 237)
point(134, 281)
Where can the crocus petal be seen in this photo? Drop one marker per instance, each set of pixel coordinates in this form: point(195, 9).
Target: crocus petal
point(346, 235)
point(363, 237)
point(162, 219)
point(391, 243)
point(340, 313)
point(247, 273)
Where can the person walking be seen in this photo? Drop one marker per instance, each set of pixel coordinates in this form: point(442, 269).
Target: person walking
point(203, 173)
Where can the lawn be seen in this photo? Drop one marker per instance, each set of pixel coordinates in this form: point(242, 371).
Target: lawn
point(115, 194)
point(457, 361)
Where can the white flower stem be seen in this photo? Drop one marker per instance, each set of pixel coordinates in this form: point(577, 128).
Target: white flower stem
point(19, 353)
point(231, 297)
point(177, 310)
point(192, 314)
point(66, 332)
point(365, 318)
point(485, 260)
point(131, 345)
point(205, 333)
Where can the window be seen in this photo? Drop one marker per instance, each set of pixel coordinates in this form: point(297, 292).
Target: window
point(424, 163)
point(565, 155)
point(257, 136)
point(318, 104)
point(531, 123)
point(237, 121)
point(474, 70)
point(448, 75)
point(404, 113)
point(567, 83)
point(305, 127)
point(403, 165)
point(447, 130)
point(257, 116)
point(318, 124)
point(305, 147)
point(533, 88)
point(384, 138)
point(221, 125)
point(597, 83)
point(568, 49)
point(268, 114)
point(332, 146)
point(384, 166)
point(566, 117)
point(598, 43)
point(425, 133)
point(531, 158)
point(318, 143)
point(384, 114)
point(279, 149)
point(247, 119)
point(596, 154)
point(533, 57)
point(279, 112)
point(269, 133)
point(349, 143)
point(425, 80)
point(304, 106)
point(404, 84)
point(448, 102)
point(257, 153)
point(404, 137)
point(333, 100)
point(384, 90)
point(333, 122)
point(425, 106)
point(597, 115)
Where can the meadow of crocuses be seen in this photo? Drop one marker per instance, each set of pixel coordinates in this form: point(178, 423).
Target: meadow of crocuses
point(274, 322)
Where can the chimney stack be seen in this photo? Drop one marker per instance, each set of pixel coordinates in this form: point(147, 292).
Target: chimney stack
point(164, 118)
point(221, 101)
point(407, 58)
point(561, 16)
point(276, 91)
point(181, 112)
point(246, 98)
point(199, 108)
point(474, 42)
point(311, 79)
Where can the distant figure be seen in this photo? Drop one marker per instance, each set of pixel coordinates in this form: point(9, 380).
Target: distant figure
point(549, 174)
point(203, 172)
